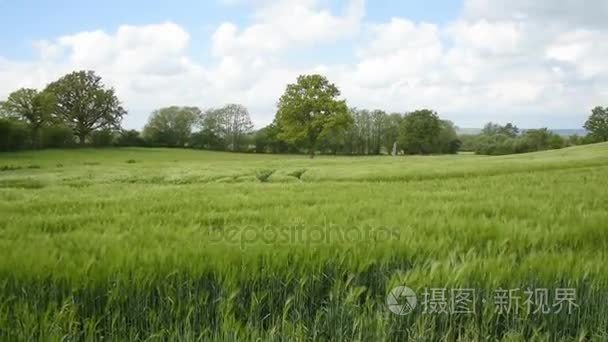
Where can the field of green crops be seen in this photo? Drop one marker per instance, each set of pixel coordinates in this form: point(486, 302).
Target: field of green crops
point(170, 244)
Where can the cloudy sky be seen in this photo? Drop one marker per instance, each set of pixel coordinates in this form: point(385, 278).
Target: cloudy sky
point(532, 62)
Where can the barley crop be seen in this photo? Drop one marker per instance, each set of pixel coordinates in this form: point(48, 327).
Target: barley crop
point(128, 244)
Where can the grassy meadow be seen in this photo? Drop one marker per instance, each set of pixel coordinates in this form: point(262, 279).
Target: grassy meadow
point(174, 244)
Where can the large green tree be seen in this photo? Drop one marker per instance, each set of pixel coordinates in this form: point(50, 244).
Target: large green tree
point(597, 124)
point(85, 104)
point(171, 126)
point(309, 110)
point(31, 106)
point(419, 132)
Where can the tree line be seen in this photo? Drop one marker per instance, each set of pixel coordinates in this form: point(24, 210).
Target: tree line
point(496, 139)
point(310, 119)
point(79, 110)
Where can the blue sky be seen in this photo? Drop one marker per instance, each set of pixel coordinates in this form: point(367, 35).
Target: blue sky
point(532, 63)
point(26, 21)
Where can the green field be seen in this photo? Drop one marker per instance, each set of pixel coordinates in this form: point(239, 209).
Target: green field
point(173, 244)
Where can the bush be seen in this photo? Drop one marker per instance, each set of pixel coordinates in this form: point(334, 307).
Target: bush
point(57, 136)
point(468, 142)
point(129, 138)
point(556, 142)
point(102, 138)
point(207, 139)
point(574, 140)
point(9, 167)
point(14, 135)
point(590, 139)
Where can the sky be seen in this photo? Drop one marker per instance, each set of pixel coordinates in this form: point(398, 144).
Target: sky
point(540, 63)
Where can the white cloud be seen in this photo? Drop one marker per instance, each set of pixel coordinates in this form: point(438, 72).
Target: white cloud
point(534, 63)
point(474, 70)
point(398, 51)
point(583, 50)
point(587, 13)
point(279, 25)
point(502, 37)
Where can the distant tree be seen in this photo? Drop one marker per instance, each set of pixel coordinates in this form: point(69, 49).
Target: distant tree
point(419, 132)
point(496, 144)
point(574, 140)
point(236, 124)
point(379, 127)
point(490, 128)
point(334, 141)
point(102, 138)
point(224, 128)
point(267, 139)
point(597, 124)
point(84, 103)
point(502, 143)
point(261, 140)
point(211, 131)
point(57, 136)
point(508, 130)
point(31, 106)
point(447, 140)
point(588, 139)
point(495, 139)
point(468, 142)
point(556, 141)
point(366, 134)
point(171, 126)
point(309, 110)
point(13, 134)
point(361, 131)
point(538, 139)
point(129, 138)
point(390, 133)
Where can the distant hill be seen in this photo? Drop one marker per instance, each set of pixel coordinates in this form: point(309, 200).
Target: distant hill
point(563, 131)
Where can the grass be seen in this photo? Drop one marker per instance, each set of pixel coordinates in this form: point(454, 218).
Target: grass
point(264, 175)
point(194, 245)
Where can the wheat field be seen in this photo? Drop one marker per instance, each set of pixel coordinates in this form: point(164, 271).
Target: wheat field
point(176, 244)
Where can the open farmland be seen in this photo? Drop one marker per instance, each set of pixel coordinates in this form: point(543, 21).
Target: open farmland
point(182, 244)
